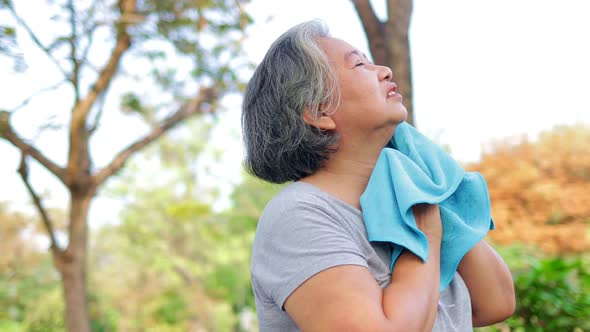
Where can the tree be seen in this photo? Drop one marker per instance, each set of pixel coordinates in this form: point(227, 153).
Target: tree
point(540, 189)
point(207, 33)
point(389, 43)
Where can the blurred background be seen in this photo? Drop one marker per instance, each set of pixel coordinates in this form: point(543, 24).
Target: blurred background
point(123, 202)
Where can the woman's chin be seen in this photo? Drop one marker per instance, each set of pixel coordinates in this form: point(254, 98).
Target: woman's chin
point(401, 114)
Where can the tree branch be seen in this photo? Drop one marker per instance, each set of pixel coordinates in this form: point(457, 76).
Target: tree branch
point(28, 99)
point(8, 133)
point(73, 41)
point(206, 97)
point(374, 30)
point(122, 44)
point(97, 116)
point(78, 155)
point(399, 13)
point(36, 40)
point(23, 170)
point(89, 26)
point(90, 33)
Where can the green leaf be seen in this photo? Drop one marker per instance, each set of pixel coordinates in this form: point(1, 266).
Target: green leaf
point(130, 103)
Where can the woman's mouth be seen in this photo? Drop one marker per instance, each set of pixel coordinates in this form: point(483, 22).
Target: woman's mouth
point(392, 93)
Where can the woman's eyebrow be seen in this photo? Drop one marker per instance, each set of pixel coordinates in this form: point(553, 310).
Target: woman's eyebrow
point(355, 52)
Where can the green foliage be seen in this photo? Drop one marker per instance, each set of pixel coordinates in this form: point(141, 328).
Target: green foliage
point(8, 43)
point(22, 290)
point(30, 292)
point(224, 317)
point(553, 295)
point(130, 103)
point(552, 292)
point(172, 308)
point(10, 326)
point(47, 315)
point(26, 272)
point(103, 317)
point(43, 310)
point(230, 280)
point(202, 37)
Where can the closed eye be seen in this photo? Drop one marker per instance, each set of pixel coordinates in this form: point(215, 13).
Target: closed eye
point(359, 64)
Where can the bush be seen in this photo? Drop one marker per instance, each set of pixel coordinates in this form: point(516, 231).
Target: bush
point(553, 295)
point(552, 292)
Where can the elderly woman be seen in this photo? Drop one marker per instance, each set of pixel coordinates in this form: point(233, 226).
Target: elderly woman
point(317, 113)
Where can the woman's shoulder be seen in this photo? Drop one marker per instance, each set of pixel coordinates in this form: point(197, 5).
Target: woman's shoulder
point(299, 234)
point(295, 194)
point(301, 216)
point(303, 202)
point(294, 202)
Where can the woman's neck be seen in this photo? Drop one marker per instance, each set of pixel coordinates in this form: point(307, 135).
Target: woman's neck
point(344, 177)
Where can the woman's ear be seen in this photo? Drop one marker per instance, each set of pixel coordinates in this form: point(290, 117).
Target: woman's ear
point(324, 121)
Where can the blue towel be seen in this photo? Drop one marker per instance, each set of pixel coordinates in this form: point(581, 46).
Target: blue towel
point(412, 170)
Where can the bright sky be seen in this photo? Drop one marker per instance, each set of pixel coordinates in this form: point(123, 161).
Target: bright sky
point(483, 70)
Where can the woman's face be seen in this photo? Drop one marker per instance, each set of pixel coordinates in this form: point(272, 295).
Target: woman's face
point(369, 101)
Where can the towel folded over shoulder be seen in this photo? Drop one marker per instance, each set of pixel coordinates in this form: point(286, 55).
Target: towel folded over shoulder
point(412, 170)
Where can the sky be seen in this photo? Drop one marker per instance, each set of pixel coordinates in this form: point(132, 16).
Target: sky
point(483, 71)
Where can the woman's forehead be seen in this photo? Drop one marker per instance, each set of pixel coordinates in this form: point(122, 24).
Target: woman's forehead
point(338, 49)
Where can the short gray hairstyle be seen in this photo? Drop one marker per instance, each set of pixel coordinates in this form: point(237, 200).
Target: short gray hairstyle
point(294, 75)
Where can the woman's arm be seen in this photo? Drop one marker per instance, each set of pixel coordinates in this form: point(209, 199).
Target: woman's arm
point(347, 298)
point(490, 285)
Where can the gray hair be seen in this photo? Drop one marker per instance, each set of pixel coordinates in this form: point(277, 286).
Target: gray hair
point(294, 75)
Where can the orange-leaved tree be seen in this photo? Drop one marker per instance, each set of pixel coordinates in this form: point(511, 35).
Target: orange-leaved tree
point(540, 190)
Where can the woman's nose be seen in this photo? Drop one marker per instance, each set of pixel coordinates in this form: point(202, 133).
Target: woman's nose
point(385, 73)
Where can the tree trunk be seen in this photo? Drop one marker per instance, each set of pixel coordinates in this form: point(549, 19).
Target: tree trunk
point(389, 43)
point(73, 266)
point(398, 50)
point(74, 288)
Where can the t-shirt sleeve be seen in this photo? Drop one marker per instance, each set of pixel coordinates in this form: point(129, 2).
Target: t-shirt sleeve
point(298, 244)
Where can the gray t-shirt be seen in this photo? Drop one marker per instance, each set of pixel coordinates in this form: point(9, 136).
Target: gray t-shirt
point(303, 231)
